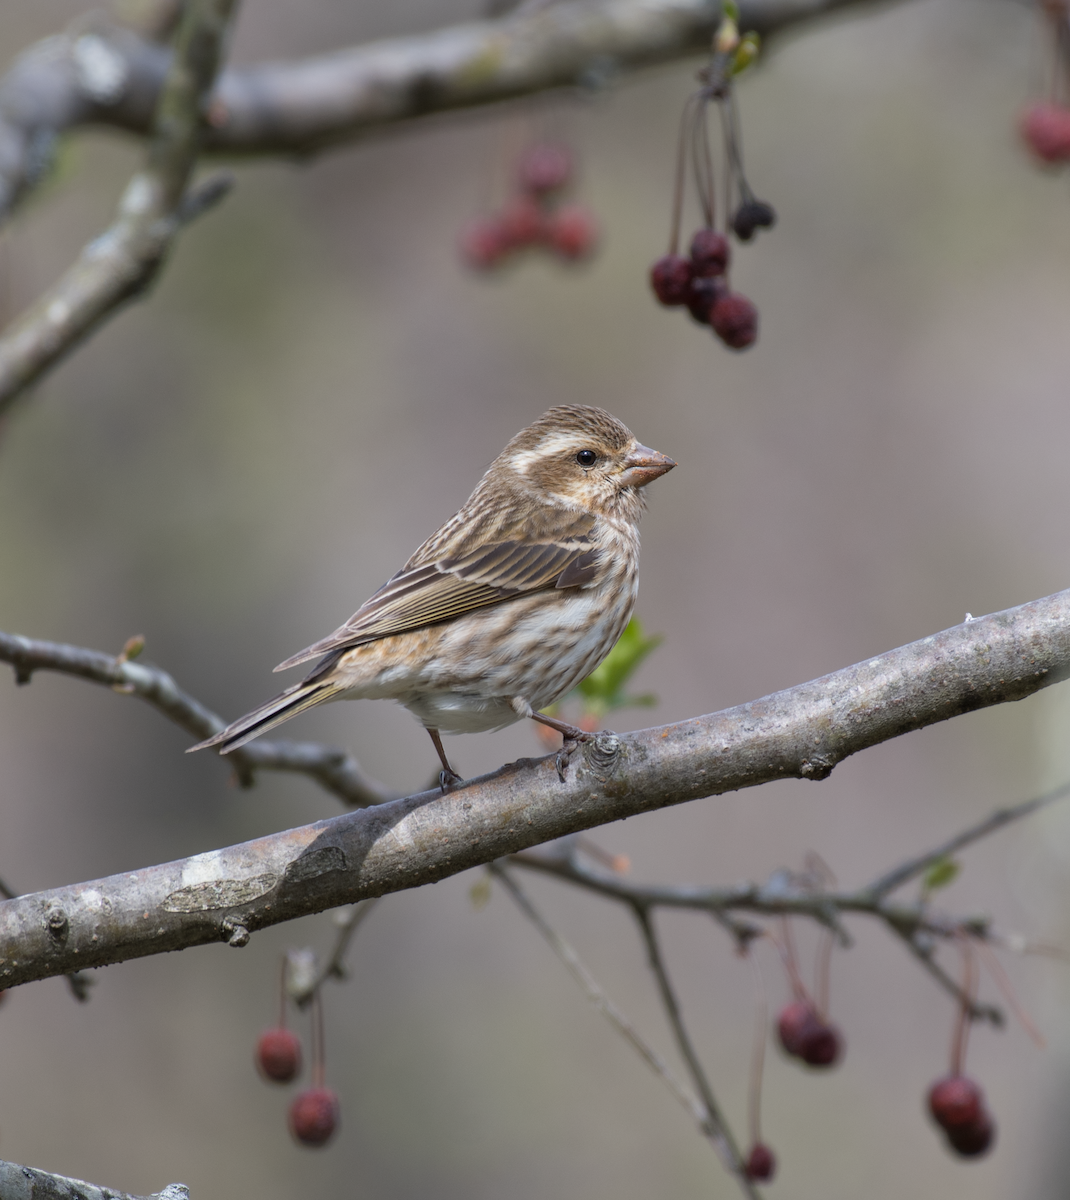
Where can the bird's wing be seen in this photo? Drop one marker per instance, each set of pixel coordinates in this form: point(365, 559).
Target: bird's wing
point(469, 574)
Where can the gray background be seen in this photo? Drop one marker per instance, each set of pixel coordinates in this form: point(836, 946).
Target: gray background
point(232, 467)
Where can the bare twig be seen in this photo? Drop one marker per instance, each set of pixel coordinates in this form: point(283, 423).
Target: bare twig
point(122, 262)
point(302, 989)
point(598, 997)
point(801, 732)
point(17, 1182)
point(334, 770)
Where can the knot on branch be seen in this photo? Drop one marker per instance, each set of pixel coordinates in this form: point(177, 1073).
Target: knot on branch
point(818, 767)
point(602, 752)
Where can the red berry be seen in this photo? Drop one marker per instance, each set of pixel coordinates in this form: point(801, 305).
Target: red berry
point(278, 1054)
point(670, 277)
point(543, 168)
point(751, 216)
point(761, 1163)
point(483, 243)
point(709, 253)
point(735, 321)
point(314, 1116)
point(573, 231)
point(820, 1045)
point(955, 1101)
point(703, 295)
point(1046, 130)
point(522, 223)
point(973, 1138)
point(792, 1022)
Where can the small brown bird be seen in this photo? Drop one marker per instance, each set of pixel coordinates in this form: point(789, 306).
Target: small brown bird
point(515, 600)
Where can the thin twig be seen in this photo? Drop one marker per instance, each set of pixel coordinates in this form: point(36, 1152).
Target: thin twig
point(600, 1000)
point(334, 964)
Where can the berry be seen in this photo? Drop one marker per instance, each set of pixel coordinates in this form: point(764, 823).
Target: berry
point(973, 1138)
point(761, 1163)
point(522, 223)
point(820, 1045)
point(483, 243)
point(955, 1101)
point(1046, 131)
point(703, 296)
point(670, 277)
point(751, 216)
point(544, 167)
point(278, 1054)
point(734, 320)
point(709, 253)
point(791, 1023)
point(573, 232)
point(314, 1116)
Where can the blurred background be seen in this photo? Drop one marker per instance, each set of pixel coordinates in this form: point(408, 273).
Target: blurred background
point(231, 467)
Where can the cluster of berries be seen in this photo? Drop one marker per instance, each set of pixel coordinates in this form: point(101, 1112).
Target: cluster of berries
point(1045, 126)
point(699, 282)
point(314, 1112)
point(807, 1036)
point(532, 218)
point(957, 1105)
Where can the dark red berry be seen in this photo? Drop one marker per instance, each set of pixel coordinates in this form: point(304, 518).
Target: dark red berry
point(483, 243)
point(761, 1163)
point(709, 253)
point(751, 216)
point(670, 277)
point(955, 1100)
point(573, 231)
point(973, 1138)
point(735, 320)
point(1046, 131)
point(792, 1023)
point(278, 1055)
point(543, 168)
point(522, 223)
point(314, 1116)
point(703, 295)
point(820, 1044)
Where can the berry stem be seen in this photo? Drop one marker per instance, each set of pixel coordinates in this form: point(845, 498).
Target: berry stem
point(1002, 981)
point(969, 995)
point(702, 161)
point(757, 1062)
point(678, 187)
point(317, 1040)
point(791, 960)
point(822, 971)
point(282, 994)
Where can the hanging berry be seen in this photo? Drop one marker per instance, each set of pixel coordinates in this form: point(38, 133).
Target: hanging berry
point(700, 281)
point(1045, 125)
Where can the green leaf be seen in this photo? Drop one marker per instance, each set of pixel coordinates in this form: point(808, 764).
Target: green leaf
point(603, 689)
point(940, 873)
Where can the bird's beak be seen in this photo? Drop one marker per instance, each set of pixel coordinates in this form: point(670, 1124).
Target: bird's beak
point(642, 465)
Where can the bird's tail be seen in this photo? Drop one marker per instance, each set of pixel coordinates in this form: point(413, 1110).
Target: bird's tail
point(285, 705)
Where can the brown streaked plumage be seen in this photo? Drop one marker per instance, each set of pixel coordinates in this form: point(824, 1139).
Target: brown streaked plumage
point(518, 597)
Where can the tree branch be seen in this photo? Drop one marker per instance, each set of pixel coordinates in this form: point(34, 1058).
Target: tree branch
point(336, 771)
point(123, 261)
point(26, 1183)
point(802, 732)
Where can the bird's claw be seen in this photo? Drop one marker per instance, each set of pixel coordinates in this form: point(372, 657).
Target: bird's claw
point(569, 747)
point(448, 780)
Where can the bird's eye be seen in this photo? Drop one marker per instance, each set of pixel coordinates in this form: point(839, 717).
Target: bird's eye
point(587, 458)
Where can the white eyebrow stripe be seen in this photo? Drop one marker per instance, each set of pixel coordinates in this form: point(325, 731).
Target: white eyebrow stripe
point(523, 460)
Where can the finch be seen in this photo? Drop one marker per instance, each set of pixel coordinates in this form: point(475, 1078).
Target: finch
point(515, 600)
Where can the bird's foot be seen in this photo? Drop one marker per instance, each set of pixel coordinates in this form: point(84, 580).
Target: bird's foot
point(572, 742)
point(448, 780)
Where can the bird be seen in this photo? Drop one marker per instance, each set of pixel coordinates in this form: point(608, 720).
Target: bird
point(510, 604)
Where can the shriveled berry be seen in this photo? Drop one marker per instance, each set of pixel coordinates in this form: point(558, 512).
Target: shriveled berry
point(751, 216)
point(709, 253)
point(761, 1163)
point(483, 243)
point(703, 295)
point(735, 320)
point(522, 223)
point(1046, 131)
point(314, 1116)
point(955, 1100)
point(670, 277)
point(544, 167)
point(973, 1138)
point(278, 1054)
point(573, 231)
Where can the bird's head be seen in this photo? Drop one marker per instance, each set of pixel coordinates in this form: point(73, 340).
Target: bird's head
point(584, 458)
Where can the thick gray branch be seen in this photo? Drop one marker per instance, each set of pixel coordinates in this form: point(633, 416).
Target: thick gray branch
point(25, 1183)
point(333, 769)
point(802, 732)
